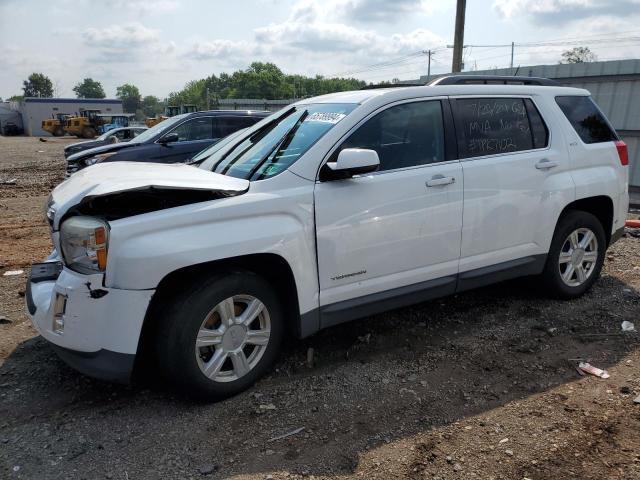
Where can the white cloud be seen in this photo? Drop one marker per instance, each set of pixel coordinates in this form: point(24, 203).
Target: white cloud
point(145, 6)
point(549, 12)
point(120, 36)
point(218, 49)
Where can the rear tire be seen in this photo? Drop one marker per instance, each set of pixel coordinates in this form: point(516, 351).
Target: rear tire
point(576, 255)
point(59, 132)
point(219, 336)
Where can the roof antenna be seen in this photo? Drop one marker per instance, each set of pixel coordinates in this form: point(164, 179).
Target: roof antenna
point(516, 72)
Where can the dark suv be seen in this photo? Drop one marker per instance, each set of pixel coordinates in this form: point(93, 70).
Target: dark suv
point(174, 140)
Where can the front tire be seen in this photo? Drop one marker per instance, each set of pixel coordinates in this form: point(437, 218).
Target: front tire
point(576, 255)
point(220, 336)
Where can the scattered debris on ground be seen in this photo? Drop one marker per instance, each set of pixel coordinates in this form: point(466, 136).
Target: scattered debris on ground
point(477, 385)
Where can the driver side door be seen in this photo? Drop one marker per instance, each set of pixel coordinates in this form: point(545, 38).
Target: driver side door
point(194, 135)
point(392, 237)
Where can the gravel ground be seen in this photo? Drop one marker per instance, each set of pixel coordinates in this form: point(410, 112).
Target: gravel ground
point(478, 385)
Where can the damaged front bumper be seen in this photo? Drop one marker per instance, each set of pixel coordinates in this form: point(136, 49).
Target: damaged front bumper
point(93, 328)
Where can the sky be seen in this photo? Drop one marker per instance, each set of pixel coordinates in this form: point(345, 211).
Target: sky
point(160, 45)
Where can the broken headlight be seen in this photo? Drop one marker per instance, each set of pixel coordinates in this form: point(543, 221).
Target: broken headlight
point(98, 158)
point(84, 243)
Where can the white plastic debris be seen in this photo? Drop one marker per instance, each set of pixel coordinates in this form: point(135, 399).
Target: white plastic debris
point(628, 326)
point(10, 273)
point(637, 399)
point(588, 368)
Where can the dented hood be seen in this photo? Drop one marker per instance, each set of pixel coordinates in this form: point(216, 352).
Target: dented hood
point(150, 183)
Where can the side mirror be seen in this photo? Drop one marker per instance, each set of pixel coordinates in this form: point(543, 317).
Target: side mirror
point(169, 138)
point(350, 162)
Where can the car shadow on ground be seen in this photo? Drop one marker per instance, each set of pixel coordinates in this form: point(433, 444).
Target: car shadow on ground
point(366, 383)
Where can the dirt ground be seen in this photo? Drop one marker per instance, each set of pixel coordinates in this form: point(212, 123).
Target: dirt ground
point(478, 385)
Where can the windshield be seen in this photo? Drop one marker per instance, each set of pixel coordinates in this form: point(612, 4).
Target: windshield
point(274, 144)
point(159, 128)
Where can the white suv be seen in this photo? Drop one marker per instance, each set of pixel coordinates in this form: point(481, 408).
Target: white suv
point(335, 208)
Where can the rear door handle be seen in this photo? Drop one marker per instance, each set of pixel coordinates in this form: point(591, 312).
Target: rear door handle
point(439, 180)
point(546, 164)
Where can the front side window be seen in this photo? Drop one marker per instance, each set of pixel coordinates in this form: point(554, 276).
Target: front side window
point(195, 129)
point(404, 135)
point(586, 119)
point(490, 126)
point(159, 129)
point(273, 144)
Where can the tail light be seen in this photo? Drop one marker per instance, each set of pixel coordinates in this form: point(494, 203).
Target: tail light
point(623, 153)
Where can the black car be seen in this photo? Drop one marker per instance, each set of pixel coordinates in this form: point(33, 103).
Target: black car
point(115, 135)
point(173, 140)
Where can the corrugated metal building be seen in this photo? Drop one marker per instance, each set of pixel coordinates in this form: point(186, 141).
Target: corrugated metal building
point(251, 104)
point(35, 110)
point(614, 85)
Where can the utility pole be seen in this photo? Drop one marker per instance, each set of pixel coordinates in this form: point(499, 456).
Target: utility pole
point(512, 47)
point(458, 39)
point(429, 65)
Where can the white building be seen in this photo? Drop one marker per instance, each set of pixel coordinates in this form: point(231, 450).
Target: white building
point(35, 110)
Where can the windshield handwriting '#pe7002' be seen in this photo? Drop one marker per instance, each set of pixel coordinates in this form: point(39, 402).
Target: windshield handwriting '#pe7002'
point(334, 208)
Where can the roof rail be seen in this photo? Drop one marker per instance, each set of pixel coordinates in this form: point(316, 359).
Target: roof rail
point(492, 80)
point(391, 85)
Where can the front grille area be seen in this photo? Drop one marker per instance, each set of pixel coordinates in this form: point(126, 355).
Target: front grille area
point(72, 167)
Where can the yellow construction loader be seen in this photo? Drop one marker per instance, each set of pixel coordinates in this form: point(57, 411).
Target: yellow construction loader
point(55, 125)
point(85, 125)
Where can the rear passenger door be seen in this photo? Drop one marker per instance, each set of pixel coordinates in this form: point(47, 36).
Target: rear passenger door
point(394, 232)
point(516, 182)
point(227, 125)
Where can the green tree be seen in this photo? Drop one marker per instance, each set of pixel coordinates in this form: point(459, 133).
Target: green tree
point(15, 98)
point(89, 88)
point(151, 106)
point(578, 55)
point(259, 81)
point(130, 96)
point(37, 85)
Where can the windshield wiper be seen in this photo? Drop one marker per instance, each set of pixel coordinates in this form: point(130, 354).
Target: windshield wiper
point(282, 144)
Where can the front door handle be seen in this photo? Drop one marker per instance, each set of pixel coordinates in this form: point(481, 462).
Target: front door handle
point(439, 180)
point(545, 164)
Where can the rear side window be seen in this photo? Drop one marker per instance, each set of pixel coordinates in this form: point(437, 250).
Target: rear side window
point(405, 135)
point(586, 119)
point(490, 126)
point(227, 125)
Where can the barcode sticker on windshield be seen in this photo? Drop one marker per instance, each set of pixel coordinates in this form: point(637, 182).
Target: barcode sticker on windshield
point(326, 117)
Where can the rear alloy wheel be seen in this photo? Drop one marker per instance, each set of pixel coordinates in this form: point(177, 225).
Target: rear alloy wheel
point(220, 335)
point(576, 255)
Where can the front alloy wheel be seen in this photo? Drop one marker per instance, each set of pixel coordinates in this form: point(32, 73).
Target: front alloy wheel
point(233, 338)
point(220, 334)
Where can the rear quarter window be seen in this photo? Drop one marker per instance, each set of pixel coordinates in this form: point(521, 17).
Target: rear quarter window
point(587, 120)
